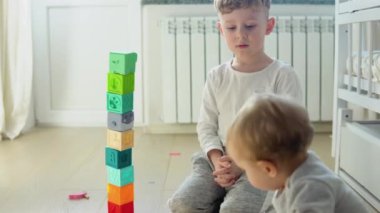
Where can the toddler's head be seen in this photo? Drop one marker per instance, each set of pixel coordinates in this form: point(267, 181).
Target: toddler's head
point(268, 139)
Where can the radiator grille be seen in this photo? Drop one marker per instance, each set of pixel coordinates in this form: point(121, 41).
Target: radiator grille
point(191, 46)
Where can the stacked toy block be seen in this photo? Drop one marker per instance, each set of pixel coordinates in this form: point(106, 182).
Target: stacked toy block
point(120, 175)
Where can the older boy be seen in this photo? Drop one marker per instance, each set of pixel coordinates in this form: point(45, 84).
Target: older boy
point(269, 140)
point(216, 184)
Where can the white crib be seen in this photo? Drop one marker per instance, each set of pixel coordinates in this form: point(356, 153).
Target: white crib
point(356, 132)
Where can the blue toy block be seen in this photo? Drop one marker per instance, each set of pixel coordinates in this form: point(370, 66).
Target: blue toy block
point(118, 159)
point(120, 177)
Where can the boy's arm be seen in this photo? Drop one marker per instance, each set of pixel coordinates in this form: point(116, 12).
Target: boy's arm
point(288, 84)
point(214, 155)
point(225, 173)
point(207, 127)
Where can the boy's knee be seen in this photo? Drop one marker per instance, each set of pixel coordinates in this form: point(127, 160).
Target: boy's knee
point(241, 205)
point(228, 207)
point(180, 205)
point(191, 205)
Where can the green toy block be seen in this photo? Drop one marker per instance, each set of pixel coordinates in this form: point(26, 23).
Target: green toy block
point(120, 177)
point(122, 63)
point(118, 159)
point(119, 103)
point(121, 84)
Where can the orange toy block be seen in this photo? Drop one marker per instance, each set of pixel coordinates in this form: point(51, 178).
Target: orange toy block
point(120, 140)
point(120, 195)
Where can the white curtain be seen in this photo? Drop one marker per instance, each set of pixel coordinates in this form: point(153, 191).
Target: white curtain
point(16, 67)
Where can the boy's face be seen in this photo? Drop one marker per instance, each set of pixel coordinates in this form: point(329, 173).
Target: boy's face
point(245, 29)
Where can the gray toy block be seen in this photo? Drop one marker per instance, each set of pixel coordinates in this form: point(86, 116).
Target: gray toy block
point(120, 122)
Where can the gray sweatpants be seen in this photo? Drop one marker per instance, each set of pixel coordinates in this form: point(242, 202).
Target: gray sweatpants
point(199, 193)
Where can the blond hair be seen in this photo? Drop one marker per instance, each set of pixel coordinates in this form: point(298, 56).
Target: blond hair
point(271, 128)
point(227, 6)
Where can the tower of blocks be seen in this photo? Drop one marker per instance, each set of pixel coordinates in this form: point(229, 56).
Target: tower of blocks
point(118, 153)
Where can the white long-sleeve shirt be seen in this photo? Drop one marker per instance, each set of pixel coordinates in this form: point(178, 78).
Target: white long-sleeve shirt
point(226, 91)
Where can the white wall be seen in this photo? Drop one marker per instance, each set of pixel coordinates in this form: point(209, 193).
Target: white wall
point(72, 40)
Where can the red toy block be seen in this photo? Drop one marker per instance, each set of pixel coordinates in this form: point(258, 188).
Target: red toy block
point(125, 208)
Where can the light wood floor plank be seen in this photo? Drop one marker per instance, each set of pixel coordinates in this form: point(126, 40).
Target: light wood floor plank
point(39, 169)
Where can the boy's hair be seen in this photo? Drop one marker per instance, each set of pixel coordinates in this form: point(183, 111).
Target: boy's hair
point(227, 6)
point(271, 128)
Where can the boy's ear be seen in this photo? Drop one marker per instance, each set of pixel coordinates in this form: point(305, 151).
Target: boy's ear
point(270, 25)
point(219, 26)
point(268, 168)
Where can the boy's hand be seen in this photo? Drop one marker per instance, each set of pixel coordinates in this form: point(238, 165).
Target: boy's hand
point(226, 172)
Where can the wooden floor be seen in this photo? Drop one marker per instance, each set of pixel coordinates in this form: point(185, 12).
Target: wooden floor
point(41, 168)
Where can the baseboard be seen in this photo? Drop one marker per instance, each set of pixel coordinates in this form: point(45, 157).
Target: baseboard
point(319, 127)
point(322, 127)
point(171, 129)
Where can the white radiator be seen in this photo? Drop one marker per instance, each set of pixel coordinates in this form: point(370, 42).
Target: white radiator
point(191, 46)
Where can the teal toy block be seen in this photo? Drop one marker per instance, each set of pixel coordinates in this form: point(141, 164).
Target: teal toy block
point(118, 159)
point(120, 177)
point(122, 63)
point(121, 84)
point(119, 103)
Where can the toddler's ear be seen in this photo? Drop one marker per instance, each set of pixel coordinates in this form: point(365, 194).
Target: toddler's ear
point(268, 167)
point(270, 25)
